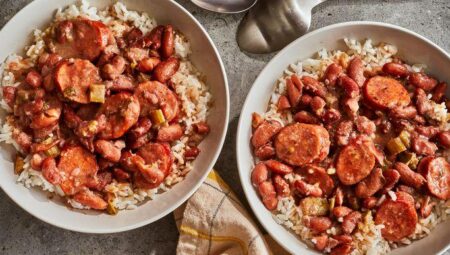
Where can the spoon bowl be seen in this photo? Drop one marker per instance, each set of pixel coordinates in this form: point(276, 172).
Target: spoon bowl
point(271, 25)
point(225, 6)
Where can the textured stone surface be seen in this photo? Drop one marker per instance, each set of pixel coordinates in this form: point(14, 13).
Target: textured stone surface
point(23, 234)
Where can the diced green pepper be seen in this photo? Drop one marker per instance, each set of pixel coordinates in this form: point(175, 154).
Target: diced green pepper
point(97, 93)
point(157, 117)
point(396, 146)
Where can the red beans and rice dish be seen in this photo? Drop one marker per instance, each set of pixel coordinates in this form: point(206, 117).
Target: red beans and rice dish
point(352, 152)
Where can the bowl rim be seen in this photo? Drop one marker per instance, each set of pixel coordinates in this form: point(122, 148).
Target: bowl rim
point(197, 183)
point(246, 185)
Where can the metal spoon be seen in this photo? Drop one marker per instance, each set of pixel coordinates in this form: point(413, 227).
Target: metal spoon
point(225, 6)
point(272, 24)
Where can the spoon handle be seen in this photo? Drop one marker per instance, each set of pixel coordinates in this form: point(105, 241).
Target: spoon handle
point(312, 3)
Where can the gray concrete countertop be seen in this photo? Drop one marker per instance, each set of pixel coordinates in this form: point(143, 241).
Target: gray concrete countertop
point(20, 233)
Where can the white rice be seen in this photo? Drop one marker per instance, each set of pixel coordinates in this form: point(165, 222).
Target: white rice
point(191, 89)
point(368, 239)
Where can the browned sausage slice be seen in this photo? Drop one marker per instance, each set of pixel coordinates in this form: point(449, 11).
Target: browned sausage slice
point(354, 163)
point(264, 133)
point(81, 38)
point(75, 78)
point(122, 112)
point(438, 178)
point(157, 153)
point(153, 95)
point(385, 93)
point(299, 144)
point(78, 167)
point(315, 174)
point(398, 217)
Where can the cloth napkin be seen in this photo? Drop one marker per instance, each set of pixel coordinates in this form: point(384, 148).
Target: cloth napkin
point(213, 221)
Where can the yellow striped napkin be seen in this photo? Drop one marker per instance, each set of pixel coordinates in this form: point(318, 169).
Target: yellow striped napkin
point(213, 221)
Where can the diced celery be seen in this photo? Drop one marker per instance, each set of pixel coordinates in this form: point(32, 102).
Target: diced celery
point(52, 152)
point(396, 146)
point(314, 206)
point(410, 159)
point(18, 165)
point(111, 209)
point(157, 117)
point(406, 138)
point(97, 93)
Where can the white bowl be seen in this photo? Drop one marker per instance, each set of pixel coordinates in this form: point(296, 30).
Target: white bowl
point(412, 47)
point(15, 35)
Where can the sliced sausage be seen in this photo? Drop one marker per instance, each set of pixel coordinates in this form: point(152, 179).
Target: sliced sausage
point(81, 38)
point(122, 112)
point(385, 93)
point(157, 153)
point(264, 133)
point(170, 133)
point(75, 78)
point(437, 174)
point(166, 69)
point(354, 163)
point(299, 144)
point(355, 70)
point(332, 73)
point(371, 184)
point(317, 175)
point(153, 95)
point(423, 81)
point(398, 217)
point(78, 167)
